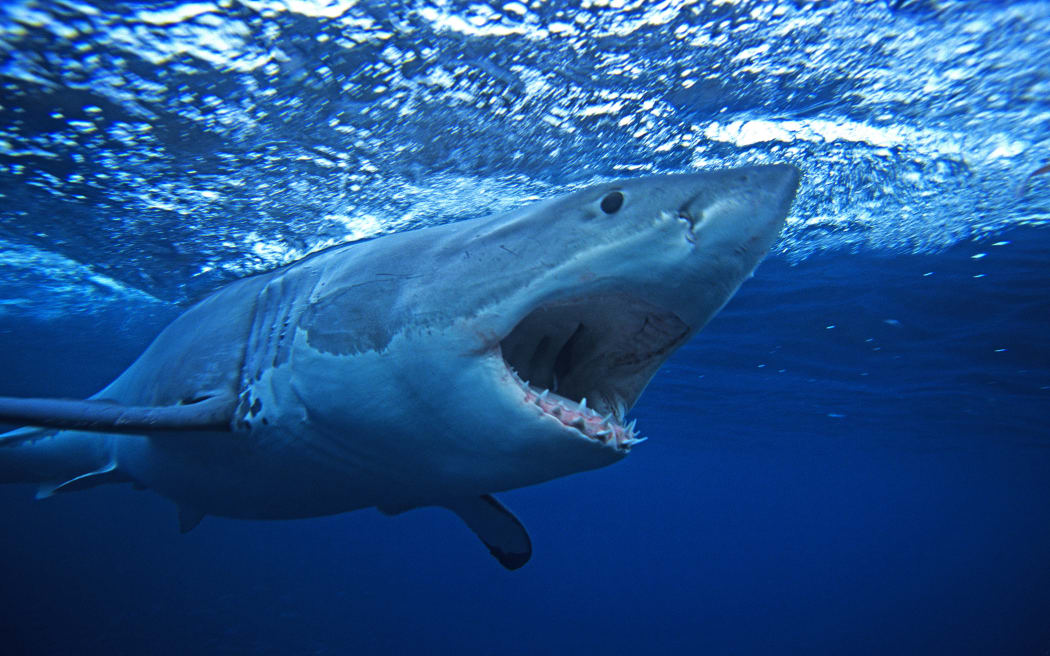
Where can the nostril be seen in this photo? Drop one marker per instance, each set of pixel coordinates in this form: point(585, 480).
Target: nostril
point(690, 233)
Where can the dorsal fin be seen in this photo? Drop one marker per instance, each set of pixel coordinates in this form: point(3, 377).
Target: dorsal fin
point(209, 413)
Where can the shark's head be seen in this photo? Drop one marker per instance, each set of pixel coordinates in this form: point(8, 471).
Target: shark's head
point(625, 273)
point(527, 337)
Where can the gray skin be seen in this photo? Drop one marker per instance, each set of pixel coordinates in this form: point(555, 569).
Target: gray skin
point(390, 373)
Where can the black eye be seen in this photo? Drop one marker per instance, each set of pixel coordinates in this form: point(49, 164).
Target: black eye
point(612, 202)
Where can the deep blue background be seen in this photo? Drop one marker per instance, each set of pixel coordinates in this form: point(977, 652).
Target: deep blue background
point(844, 461)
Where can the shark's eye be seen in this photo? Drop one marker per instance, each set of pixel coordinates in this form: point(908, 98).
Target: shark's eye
point(612, 203)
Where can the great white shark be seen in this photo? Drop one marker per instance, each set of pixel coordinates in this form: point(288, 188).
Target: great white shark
point(426, 368)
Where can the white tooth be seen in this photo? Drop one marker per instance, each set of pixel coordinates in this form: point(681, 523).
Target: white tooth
point(579, 423)
point(632, 441)
point(603, 433)
point(606, 418)
point(543, 394)
point(630, 426)
point(556, 410)
point(583, 403)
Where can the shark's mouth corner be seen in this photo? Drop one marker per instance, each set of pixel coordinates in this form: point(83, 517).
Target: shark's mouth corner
point(585, 361)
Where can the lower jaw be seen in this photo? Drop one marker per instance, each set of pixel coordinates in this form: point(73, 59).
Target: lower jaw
point(588, 422)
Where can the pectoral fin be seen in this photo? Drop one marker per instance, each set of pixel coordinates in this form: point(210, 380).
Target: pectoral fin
point(497, 527)
point(212, 412)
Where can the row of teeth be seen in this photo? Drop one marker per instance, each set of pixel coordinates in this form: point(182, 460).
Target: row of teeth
point(605, 429)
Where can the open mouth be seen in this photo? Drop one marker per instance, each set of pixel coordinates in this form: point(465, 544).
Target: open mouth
point(585, 361)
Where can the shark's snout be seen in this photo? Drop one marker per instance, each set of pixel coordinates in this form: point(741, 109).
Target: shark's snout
point(782, 181)
point(740, 210)
point(774, 190)
point(784, 177)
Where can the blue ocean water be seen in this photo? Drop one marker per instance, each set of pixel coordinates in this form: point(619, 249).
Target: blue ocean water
point(851, 458)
